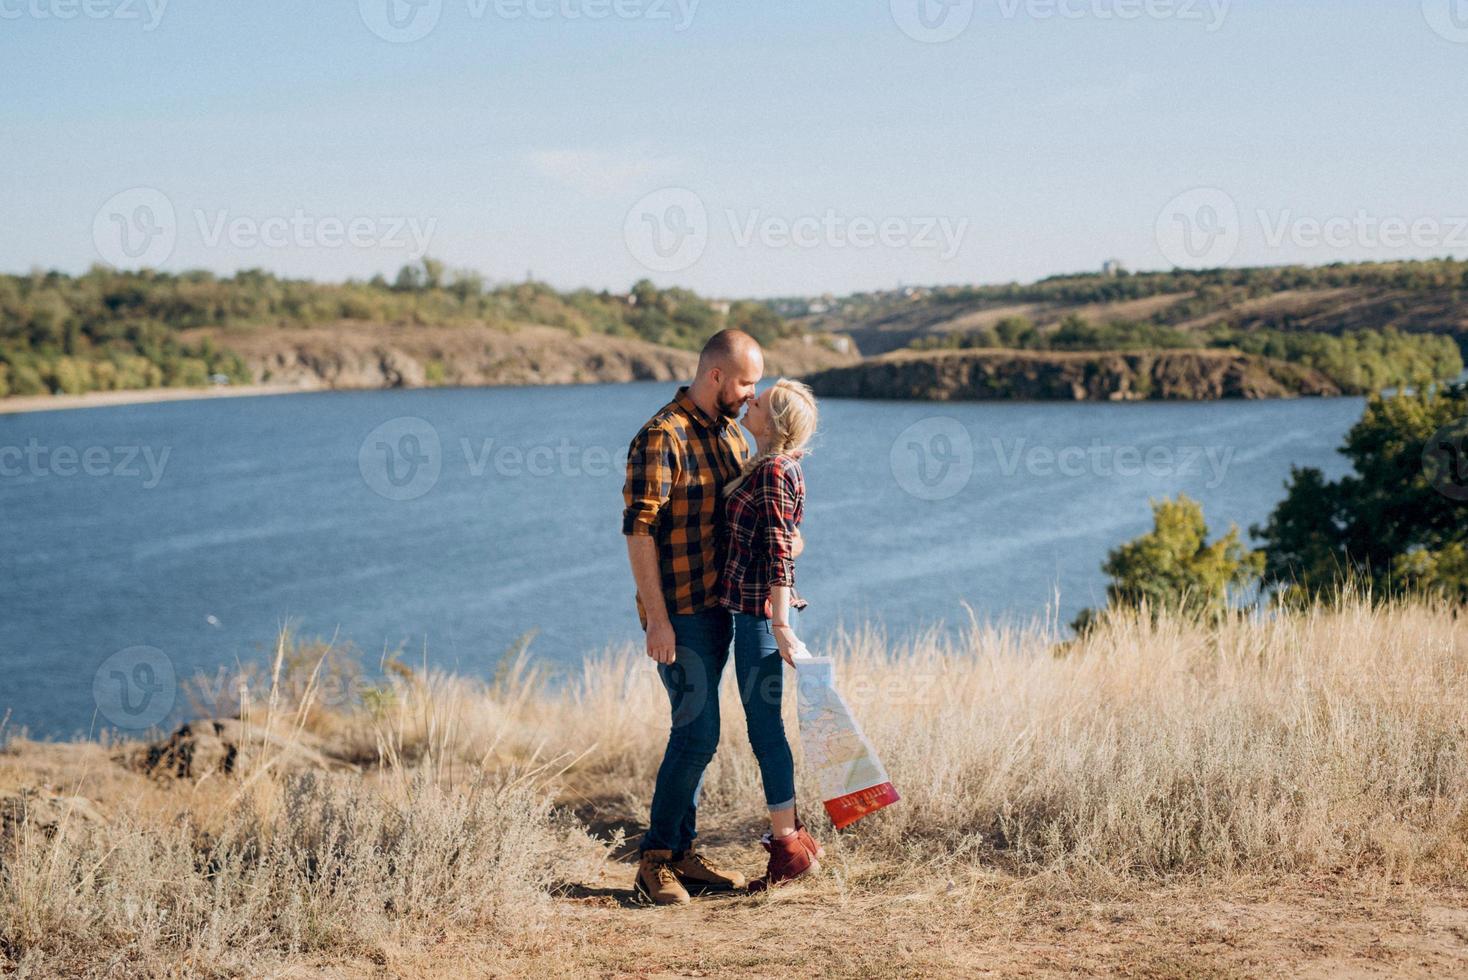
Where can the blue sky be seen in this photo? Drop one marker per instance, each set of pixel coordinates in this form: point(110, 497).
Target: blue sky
point(768, 148)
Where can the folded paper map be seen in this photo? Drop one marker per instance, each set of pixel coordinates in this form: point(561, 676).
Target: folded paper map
point(852, 779)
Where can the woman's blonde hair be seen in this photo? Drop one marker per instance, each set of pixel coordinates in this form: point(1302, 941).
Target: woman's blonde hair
point(793, 416)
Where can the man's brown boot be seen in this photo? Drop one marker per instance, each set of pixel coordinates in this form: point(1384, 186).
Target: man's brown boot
point(697, 870)
point(657, 880)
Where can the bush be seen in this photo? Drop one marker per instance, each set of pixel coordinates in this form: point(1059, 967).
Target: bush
point(26, 380)
point(1174, 568)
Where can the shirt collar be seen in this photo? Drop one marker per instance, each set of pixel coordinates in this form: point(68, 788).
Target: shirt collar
point(686, 402)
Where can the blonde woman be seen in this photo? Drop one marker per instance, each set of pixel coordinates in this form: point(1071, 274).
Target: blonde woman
point(763, 507)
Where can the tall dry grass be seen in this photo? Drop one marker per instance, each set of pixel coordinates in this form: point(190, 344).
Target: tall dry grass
point(232, 874)
point(1330, 738)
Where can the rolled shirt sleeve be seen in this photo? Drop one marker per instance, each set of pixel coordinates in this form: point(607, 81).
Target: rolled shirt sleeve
point(652, 460)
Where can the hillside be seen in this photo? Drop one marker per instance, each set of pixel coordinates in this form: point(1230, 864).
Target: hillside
point(110, 331)
point(353, 354)
point(1413, 297)
point(1337, 329)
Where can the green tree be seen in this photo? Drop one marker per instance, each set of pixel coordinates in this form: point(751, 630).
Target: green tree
point(757, 320)
point(1397, 522)
point(1174, 568)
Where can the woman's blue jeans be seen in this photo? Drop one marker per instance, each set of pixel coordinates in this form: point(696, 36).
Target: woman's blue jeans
point(692, 683)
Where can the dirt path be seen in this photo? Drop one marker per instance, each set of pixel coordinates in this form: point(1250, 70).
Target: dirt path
point(865, 917)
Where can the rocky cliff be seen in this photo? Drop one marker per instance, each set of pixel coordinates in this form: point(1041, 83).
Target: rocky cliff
point(1187, 375)
point(367, 355)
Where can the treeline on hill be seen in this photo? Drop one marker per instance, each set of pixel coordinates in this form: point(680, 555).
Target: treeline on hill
point(1228, 285)
point(1394, 526)
point(1358, 361)
point(111, 330)
point(1199, 292)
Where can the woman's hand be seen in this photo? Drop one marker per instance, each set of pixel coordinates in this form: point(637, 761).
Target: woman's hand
point(786, 642)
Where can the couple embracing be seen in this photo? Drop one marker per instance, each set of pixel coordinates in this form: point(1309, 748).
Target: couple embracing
point(712, 527)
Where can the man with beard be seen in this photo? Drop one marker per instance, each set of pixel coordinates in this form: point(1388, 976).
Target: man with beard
point(676, 466)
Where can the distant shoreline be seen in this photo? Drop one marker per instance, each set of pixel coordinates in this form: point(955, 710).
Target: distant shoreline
point(18, 404)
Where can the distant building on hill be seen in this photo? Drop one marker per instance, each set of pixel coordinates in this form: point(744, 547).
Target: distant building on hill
point(1112, 267)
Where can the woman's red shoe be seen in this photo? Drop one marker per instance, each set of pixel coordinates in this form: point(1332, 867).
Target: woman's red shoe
point(789, 859)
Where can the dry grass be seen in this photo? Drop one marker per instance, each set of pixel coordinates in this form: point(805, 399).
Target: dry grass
point(1307, 769)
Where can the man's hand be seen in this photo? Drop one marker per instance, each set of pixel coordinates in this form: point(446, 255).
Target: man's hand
point(798, 545)
point(662, 643)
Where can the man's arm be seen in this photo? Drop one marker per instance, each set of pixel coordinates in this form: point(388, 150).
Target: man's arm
point(651, 462)
point(642, 552)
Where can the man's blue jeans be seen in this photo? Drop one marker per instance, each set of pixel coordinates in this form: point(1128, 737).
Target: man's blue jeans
point(692, 683)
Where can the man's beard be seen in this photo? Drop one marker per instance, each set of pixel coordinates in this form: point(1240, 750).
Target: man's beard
point(729, 410)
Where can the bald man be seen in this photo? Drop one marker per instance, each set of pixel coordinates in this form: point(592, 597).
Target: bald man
point(676, 466)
